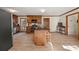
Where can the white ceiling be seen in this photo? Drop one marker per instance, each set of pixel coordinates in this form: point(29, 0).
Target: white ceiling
point(36, 10)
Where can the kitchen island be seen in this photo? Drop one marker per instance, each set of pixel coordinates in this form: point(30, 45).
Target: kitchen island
point(41, 37)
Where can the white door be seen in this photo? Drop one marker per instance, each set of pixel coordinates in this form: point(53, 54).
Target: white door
point(76, 24)
point(72, 25)
point(23, 24)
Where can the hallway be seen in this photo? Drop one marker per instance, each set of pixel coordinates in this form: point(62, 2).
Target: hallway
point(23, 42)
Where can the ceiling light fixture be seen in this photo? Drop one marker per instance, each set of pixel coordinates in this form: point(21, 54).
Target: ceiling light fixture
point(12, 10)
point(42, 10)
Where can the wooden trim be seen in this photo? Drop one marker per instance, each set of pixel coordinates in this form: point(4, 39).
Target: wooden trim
point(73, 13)
point(50, 15)
point(41, 15)
point(49, 21)
point(67, 25)
point(78, 25)
point(70, 11)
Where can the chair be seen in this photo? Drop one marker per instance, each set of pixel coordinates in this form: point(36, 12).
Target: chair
point(60, 28)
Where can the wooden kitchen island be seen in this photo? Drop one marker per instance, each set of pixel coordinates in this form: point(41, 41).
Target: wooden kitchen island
point(41, 37)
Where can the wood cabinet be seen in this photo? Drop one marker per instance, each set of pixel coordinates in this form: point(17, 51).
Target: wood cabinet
point(41, 37)
point(37, 18)
point(28, 29)
point(32, 19)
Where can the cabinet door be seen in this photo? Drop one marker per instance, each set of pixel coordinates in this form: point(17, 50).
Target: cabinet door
point(29, 19)
point(40, 37)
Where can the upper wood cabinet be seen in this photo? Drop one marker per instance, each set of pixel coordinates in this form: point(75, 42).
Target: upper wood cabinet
point(37, 18)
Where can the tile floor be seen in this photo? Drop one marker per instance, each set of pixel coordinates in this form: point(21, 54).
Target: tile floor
point(23, 42)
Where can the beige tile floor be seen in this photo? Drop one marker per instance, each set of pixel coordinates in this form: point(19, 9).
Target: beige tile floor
point(23, 42)
point(58, 40)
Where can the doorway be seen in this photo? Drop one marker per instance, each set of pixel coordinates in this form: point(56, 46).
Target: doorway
point(72, 24)
point(23, 24)
point(46, 23)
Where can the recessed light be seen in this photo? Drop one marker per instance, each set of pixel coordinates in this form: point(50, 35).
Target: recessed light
point(42, 10)
point(12, 10)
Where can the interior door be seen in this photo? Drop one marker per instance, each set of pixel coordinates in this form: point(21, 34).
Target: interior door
point(73, 25)
point(23, 24)
point(70, 25)
point(46, 23)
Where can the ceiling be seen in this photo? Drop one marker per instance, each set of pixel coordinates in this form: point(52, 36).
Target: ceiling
point(54, 11)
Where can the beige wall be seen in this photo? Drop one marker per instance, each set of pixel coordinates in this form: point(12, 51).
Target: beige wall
point(63, 19)
point(53, 23)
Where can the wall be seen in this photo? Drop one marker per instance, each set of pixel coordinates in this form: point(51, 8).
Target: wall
point(23, 28)
point(63, 20)
point(53, 22)
point(5, 31)
point(15, 19)
point(21, 17)
point(63, 17)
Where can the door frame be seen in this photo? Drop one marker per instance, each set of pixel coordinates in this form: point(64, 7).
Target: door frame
point(67, 22)
point(20, 21)
point(49, 21)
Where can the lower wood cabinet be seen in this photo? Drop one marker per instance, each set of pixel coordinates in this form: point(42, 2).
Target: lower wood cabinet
point(29, 29)
point(41, 37)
